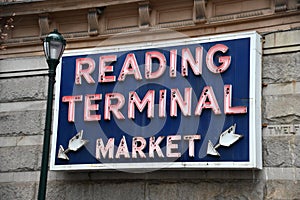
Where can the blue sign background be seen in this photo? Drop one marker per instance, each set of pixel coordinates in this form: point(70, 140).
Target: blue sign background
point(207, 125)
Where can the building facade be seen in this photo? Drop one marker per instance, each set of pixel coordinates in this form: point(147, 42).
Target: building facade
point(92, 24)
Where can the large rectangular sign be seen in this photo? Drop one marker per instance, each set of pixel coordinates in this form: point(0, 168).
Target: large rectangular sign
point(190, 103)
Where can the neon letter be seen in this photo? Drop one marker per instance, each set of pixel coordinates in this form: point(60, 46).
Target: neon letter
point(154, 146)
point(138, 145)
point(185, 105)
point(134, 99)
point(71, 109)
point(227, 102)
point(103, 68)
point(123, 149)
point(188, 58)
point(225, 60)
point(86, 73)
point(171, 146)
point(114, 108)
point(130, 67)
point(162, 103)
point(173, 62)
point(207, 100)
point(102, 150)
point(148, 64)
point(88, 107)
point(191, 139)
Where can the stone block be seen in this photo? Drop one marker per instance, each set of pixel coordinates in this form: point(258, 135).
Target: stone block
point(281, 173)
point(56, 190)
point(23, 64)
point(282, 89)
point(125, 190)
point(29, 176)
point(80, 191)
point(17, 191)
point(23, 106)
point(233, 189)
point(91, 190)
point(8, 141)
point(297, 151)
point(29, 122)
point(283, 189)
point(289, 38)
point(20, 158)
point(250, 189)
point(281, 68)
point(282, 109)
point(169, 190)
point(23, 89)
point(278, 151)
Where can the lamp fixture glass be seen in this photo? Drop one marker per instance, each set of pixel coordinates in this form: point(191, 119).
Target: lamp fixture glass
point(54, 45)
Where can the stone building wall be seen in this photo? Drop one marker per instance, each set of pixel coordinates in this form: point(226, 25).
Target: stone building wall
point(23, 93)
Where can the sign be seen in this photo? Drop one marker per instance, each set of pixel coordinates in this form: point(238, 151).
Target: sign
point(190, 103)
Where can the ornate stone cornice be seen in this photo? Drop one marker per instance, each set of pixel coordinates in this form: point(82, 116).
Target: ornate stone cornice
point(57, 6)
point(196, 18)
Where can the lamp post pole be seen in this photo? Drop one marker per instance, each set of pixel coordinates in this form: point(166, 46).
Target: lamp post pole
point(47, 131)
point(54, 45)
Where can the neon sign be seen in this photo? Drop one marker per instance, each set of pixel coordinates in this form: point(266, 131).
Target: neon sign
point(191, 103)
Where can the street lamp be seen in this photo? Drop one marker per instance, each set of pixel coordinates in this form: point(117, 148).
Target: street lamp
point(54, 46)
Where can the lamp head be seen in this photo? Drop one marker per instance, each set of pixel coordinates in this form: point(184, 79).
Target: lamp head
point(54, 46)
